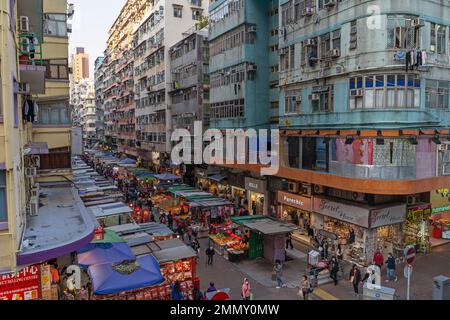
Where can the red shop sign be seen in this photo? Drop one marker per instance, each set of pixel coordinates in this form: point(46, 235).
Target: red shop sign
point(21, 286)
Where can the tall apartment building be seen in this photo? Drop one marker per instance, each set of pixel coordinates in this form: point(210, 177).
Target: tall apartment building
point(80, 64)
point(98, 85)
point(244, 92)
point(119, 81)
point(153, 79)
point(39, 219)
point(84, 115)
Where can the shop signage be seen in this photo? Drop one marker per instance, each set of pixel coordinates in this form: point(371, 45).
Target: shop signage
point(21, 286)
point(294, 200)
point(419, 212)
point(255, 185)
point(358, 215)
point(46, 282)
point(387, 216)
point(341, 211)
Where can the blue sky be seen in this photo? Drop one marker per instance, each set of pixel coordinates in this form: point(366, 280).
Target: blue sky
point(91, 23)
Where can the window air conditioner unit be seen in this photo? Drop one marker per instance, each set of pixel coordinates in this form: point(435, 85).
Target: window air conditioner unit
point(335, 53)
point(306, 189)
point(298, 98)
point(310, 42)
point(33, 207)
point(36, 161)
point(252, 29)
point(251, 67)
point(21, 88)
point(358, 196)
point(284, 50)
point(308, 11)
point(69, 28)
point(410, 200)
point(31, 172)
point(442, 147)
point(329, 3)
point(293, 187)
point(24, 44)
point(24, 24)
point(418, 23)
point(353, 30)
point(70, 10)
point(319, 189)
point(315, 97)
point(356, 93)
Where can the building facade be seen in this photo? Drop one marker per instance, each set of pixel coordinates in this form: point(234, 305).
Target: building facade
point(80, 64)
point(82, 96)
point(99, 76)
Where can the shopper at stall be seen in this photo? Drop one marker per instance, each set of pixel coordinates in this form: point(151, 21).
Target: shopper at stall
point(390, 265)
point(334, 268)
point(378, 258)
point(305, 287)
point(180, 231)
point(197, 294)
point(289, 241)
point(177, 294)
point(246, 290)
point(351, 236)
point(170, 220)
point(210, 254)
point(339, 252)
point(211, 288)
point(355, 278)
point(83, 294)
point(278, 270)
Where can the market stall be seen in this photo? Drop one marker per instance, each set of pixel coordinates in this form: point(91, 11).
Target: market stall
point(137, 279)
point(111, 214)
point(98, 253)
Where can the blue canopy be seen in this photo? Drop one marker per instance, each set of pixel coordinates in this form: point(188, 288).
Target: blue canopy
point(128, 161)
point(167, 176)
point(145, 175)
point(106, 280)
point(96, 253)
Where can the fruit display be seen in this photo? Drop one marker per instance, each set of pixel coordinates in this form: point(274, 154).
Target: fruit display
point(222, 239)
point(239, 246)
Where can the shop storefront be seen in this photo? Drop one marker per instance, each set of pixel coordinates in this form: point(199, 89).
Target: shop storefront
point(257, 196)
point(359, 229)
point(296, 209)
point(440, 217)
point(416, 228)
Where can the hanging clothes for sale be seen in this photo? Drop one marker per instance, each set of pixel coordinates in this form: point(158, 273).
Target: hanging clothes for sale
point(418, 59)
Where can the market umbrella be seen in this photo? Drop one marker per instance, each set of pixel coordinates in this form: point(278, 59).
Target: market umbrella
point(127, 161)
point(97, 253)
point(142, 273)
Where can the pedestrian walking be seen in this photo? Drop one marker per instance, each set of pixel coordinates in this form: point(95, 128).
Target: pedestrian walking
point(390, 265)
point(355, 278)
point(170, 220)
point(246, 290)
point(339, 253)
point(210, 253)
point(278, 270)
point(180, 231)
point(289, 241)
point(305, 287)
point(334, 268)
point(195, 245)
point(211, 288)
point(378, 258)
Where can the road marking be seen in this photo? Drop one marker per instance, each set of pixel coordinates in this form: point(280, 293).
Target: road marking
point(324, 295)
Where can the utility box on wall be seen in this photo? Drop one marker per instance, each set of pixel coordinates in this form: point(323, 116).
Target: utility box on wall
point(441, 288)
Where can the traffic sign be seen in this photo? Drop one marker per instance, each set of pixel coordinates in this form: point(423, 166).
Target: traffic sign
point(410, 254)
point(407, 271)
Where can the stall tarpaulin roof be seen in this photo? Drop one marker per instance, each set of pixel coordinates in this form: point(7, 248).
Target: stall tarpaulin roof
point(173, 250)
point(217, 178)
point(104, 253)
point(106, 280)
point(127, 161)
point(167, 176)
point(109, 237)
point(265, 225)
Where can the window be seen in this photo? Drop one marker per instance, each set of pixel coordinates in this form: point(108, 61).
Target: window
point(401, 35)
point(55, 25)
point(226, 9)
point(227, 109)
point(177, 11)
point(56, 69)
point(197, 3)
point(230, 40)
point(12, 14)
point(437, 94)
point(300, 5)
point(438, 38)
point(196, 14)
point(292, 57)
point(353, 35)
point(286, 13)
point(3, 207)
point(385, 91)
point(292, 102)
point(54, 114)
point(322, 98)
